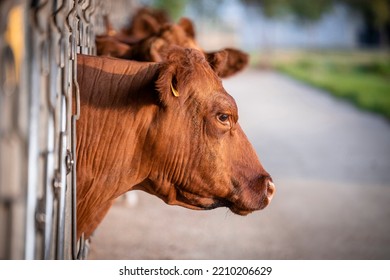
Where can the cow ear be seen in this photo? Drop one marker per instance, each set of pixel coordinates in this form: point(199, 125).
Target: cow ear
point(227, 62)
point(157, 50)
point(217, 60)
point(173, 81)
point(167, 85)
point(149, 25)
point(108, 25)
point(143, 26)
point(187, 26)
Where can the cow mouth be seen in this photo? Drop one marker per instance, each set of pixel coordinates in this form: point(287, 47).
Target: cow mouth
point(237, 203)
point(242, 211)
point(196, 202)
point(216, 203)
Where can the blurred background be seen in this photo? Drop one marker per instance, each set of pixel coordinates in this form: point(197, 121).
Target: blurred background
point(314, 102)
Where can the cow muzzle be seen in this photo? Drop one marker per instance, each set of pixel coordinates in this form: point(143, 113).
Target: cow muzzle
point(250, 201)
point(270, 190)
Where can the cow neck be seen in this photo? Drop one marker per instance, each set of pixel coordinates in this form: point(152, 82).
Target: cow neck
point(114, 83)
point(116, 100)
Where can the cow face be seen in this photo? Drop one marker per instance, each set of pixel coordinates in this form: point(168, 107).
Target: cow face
point(200, 158)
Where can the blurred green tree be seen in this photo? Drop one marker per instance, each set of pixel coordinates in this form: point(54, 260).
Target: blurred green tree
point(304, 10)
point(376, 14)
point(174, 8)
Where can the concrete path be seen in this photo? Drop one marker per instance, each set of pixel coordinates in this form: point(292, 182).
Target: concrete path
point(331, 166)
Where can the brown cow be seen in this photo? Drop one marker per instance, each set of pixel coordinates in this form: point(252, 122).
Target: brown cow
point(169, 129)
point(145, 22)
point(111, 46)
point(154, 47)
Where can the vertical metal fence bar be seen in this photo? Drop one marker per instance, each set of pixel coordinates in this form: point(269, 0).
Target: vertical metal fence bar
point(34, 188)
point(60, 132)
point(38, 85)
point(71, 23)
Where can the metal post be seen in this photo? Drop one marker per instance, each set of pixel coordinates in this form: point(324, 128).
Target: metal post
point(39, 42)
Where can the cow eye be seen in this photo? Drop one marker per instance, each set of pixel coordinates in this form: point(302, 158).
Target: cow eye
point(223, 118)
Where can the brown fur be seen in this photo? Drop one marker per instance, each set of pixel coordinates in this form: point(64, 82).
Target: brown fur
point(134, 134)
point(110, 46)
point(146, 22)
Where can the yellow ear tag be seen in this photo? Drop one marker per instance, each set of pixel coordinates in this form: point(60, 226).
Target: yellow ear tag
point(174, 91)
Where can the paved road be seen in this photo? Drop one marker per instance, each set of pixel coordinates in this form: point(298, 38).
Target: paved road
point(331, 166)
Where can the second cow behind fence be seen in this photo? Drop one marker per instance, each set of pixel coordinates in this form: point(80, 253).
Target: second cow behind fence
point(151, 35)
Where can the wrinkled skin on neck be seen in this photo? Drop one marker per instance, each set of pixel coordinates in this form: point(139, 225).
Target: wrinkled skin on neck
point(188, 150)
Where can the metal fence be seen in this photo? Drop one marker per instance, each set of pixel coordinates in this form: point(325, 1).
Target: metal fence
point(39, 107)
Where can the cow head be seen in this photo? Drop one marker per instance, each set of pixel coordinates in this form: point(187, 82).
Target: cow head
point(155, 47)
point(146, 22)
point(199, 157)
point(225, 62)
point(110, 46)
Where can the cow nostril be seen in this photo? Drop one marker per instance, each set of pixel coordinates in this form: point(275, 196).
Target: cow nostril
point(270, 190)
